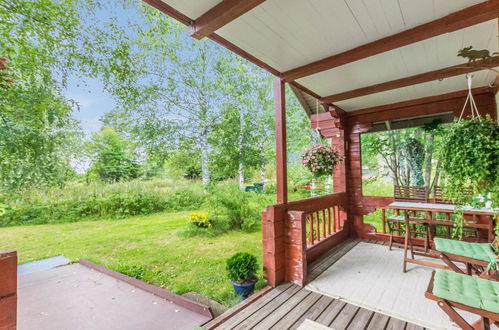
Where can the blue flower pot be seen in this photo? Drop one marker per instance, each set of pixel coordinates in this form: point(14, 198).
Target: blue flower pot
point(244, 289)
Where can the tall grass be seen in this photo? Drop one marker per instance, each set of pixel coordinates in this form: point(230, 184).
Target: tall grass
point(99, 200)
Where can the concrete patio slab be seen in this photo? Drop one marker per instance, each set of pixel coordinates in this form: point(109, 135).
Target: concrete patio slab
point(78, 297)
point(43, 264)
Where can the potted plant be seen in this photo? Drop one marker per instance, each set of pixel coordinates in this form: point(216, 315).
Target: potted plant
point(469, 161)
point(241, 270)
point(320, 159)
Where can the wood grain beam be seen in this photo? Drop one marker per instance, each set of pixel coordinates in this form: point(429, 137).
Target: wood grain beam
point(417, 102)
point(220, 15)
point(299, 95)
point(473, 15)
point(280, 140)
point(172, 12)
point(416, 79)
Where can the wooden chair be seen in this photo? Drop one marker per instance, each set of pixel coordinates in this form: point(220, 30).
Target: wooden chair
point(395, 222)
point(476, 256)
point(410, 194)
point(454, 291)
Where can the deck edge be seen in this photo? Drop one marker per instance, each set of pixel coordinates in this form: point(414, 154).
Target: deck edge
point(157, 291)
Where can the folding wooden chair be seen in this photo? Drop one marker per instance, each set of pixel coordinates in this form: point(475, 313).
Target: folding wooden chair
point(476, 256)
point(394, 223)
point(454, 291)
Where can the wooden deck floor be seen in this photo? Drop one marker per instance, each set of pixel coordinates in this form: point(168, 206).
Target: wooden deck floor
point(288, 305)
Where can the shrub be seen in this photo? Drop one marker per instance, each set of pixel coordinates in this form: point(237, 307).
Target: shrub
point(97, 200)
point(200, 220)
point(242, 267)
point(235, 209)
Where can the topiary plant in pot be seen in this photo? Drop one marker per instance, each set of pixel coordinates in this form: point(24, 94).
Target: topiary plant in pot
point(241, 270)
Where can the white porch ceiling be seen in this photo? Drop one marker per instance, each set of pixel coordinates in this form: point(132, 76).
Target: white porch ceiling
point(287, 34)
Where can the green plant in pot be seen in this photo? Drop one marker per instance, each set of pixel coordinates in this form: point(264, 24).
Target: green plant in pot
point(241, 270)
point(470, 162)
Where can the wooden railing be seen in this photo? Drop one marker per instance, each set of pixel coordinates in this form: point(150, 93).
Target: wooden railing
point(296, 233)
point(321, 224)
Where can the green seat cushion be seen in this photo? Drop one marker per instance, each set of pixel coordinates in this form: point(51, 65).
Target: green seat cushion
point(467, 290)
point(480, 251)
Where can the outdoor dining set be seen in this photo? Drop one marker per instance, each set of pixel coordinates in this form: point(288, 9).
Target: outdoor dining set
point(428, 228)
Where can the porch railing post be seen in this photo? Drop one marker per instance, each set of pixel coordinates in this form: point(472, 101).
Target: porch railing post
point(8, 289)
point(280, 139)
point(296, 247)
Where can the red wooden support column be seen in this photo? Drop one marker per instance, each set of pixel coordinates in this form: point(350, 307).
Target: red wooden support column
point(280, 139)
point(8, 290)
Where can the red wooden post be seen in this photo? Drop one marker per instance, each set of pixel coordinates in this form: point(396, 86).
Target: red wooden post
point(8, 289)
point(280, 140)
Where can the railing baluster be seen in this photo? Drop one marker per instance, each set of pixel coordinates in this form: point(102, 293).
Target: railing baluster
point(311, 222)
point(324, 223)
point(383, 220)
point(318, 229)
point(329, 221)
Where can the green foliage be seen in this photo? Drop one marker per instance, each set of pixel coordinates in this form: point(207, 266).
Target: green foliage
point(112, 156)
point(233, 208)
point(470, 161)
point(145, 247)
point(46, 42)
point(97, 201)
point(413, 152)
point(242, 267)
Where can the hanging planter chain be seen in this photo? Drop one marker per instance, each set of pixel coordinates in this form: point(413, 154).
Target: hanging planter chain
point(471, 100)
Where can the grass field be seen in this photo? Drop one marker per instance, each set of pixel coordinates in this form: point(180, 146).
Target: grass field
point(146, 247)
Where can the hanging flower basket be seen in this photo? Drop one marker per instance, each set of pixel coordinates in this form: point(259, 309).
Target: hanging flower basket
point(321, 159)
point(469, 159)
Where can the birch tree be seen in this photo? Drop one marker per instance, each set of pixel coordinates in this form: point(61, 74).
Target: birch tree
point(176, 84)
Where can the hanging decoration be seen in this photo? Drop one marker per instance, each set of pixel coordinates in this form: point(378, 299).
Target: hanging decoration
point(469, 160)
point(320, 159)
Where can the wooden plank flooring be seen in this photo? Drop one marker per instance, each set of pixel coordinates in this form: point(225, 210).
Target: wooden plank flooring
point(288, 305)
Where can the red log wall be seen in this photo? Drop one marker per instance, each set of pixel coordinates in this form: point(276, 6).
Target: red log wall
point(360, 121)
point(8, 290)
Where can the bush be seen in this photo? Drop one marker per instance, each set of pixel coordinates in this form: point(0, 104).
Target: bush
point(235, 209)
point(242, 267)
point(96, 201)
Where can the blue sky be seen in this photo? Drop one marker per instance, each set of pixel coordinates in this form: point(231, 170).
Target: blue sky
point(93, 101)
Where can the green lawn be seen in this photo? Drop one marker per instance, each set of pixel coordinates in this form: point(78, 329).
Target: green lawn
point(146, 247)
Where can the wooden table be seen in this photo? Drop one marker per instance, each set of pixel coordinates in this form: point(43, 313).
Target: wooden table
point(438, 208)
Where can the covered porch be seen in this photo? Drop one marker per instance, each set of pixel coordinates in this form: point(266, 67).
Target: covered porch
point(347, 303)
point(356, 67)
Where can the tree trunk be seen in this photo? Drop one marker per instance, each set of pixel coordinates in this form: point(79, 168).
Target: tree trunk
point(205, 158)
point(240, 172)
point(263, 175)
point(241, 147)
point(313, 188)
point(329, 184)
point(428, 159)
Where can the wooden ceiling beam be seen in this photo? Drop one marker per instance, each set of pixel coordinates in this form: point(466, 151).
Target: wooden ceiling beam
point(461, 19)
point(172, 12)
point(417, 102)
point(220, 15)
point(416, 79)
